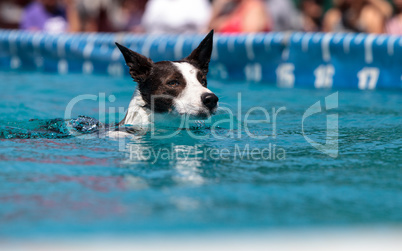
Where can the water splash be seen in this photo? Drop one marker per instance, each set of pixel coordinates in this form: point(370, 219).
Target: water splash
point(49, 128)
point(84, 125)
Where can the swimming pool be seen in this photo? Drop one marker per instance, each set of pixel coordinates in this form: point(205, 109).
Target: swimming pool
point(51, 186)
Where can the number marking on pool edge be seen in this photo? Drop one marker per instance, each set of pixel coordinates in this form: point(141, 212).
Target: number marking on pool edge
point(324, 76)
point(285, 75)
point(368, 78)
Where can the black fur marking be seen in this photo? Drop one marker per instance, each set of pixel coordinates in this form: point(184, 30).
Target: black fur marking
point(140, 66)
point(155, 90)
point(202, 78)
point(201, 56)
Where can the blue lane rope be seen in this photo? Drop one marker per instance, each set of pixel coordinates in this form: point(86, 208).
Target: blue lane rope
point(308, 60)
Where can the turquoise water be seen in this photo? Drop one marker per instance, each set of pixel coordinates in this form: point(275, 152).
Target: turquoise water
point(52, 183)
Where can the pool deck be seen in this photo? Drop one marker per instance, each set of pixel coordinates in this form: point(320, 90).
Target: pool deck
point(340, 239)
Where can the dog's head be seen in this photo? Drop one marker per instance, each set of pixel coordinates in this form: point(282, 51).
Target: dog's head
point(175, 86)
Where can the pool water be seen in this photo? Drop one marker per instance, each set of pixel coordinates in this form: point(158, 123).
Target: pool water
point(52, 183)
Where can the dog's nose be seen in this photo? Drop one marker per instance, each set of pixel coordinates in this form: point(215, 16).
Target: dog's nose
point(210, 100)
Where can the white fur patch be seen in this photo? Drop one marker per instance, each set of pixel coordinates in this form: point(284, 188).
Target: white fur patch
point(189, 101)
point(136, 113)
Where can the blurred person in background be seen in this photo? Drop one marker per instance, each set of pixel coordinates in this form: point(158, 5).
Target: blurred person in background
point(176, 16)
point(312, 15)
point(128, 15)
point(284, 14)
point(357, 16)
point(50, 16)
point(94, 15)
point(238, 16)
point(11, 13)
point(394, 25)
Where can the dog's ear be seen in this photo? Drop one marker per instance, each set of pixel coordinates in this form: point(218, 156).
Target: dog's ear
point(201, 56)
point(140, 66)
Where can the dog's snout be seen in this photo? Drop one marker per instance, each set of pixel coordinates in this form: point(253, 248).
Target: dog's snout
point(210, 100)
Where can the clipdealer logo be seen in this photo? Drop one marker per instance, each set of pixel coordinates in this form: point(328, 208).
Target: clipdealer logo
point(240, 122)
point(331, 147)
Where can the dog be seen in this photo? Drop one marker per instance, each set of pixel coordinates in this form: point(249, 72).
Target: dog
point(170, 87)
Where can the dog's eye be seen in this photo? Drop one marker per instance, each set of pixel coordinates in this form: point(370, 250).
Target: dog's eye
point(173, 83)
point(204, 82)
